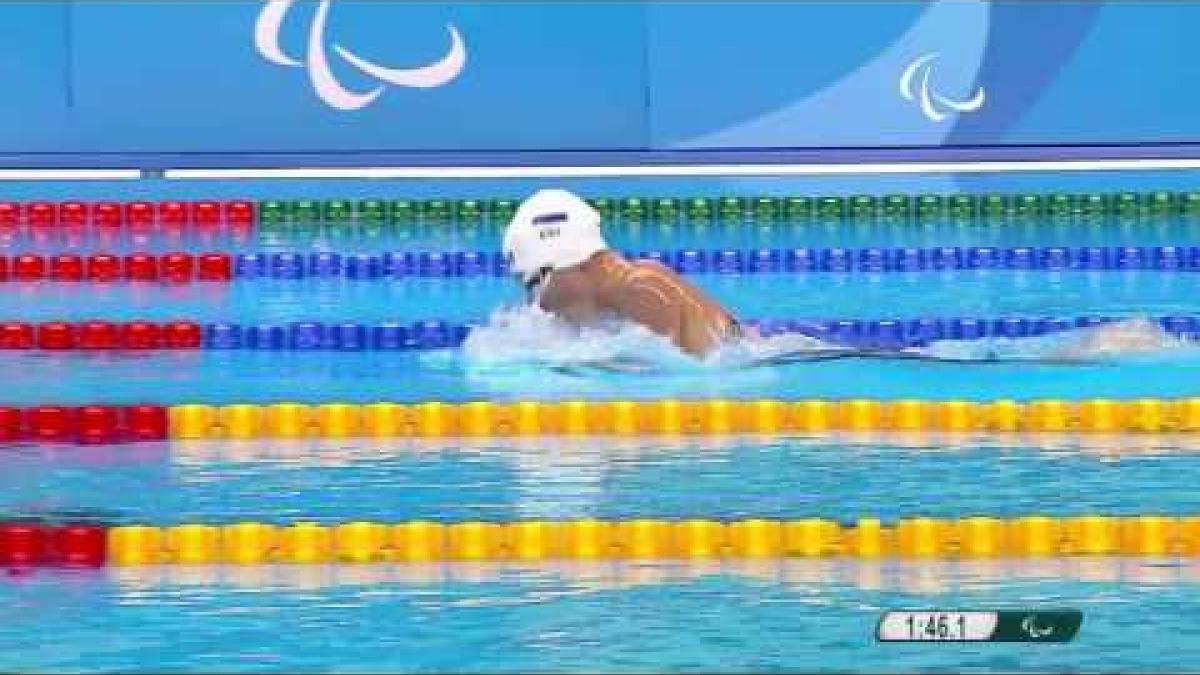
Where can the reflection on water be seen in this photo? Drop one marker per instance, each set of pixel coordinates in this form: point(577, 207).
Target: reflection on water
point(919, 577)
point(747, 616)
point(549, 450)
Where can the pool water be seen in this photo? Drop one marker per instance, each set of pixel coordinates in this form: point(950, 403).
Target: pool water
point(774, 615)
point(789, 617)
point(741, 616)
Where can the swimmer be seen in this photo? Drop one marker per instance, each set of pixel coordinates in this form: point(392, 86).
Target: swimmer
point(556, 251)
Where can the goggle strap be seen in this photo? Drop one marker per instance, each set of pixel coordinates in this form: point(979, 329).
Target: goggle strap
point(538, 278)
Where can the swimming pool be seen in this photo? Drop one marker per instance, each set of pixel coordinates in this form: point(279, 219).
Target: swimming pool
point(628, 615)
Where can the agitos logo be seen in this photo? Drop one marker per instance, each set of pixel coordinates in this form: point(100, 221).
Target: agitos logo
point(326, 84)
point(934, 106)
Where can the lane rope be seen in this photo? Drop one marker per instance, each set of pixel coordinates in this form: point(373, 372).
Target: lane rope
point(250, 543)
point(801, 260)
point(105, 424)
point(699, 209)
point(101, 335)
point(181, 267)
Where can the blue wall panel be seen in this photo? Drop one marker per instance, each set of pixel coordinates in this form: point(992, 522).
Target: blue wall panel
point(33, 77)
point(1131, 78)
point(1055, 73)
point(186, 76)
point(712, 69)
point(167, 77)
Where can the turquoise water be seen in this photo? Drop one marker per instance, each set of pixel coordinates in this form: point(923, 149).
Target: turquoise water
point(790, 615)
point(885, 475)
point(793, 615)
point(810, 617)
point(222, 376)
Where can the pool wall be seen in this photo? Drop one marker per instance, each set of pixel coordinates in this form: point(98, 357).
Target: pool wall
point(185, 84)
point(878, 184)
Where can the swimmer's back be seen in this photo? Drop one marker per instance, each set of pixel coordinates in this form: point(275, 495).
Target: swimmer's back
point(656, 295)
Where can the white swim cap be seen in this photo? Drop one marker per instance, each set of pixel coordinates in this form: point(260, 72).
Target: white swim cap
point(552, 229)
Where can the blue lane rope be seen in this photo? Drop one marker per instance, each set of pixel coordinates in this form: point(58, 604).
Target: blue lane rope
point(876, 334)
point(369, 266)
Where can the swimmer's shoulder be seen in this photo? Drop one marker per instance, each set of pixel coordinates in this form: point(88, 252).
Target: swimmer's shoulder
point(651, 268)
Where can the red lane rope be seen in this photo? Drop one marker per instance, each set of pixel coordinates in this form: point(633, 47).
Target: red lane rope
point(100, 335)
point(139, 213)
point(104, 267)
point(43, 545)
point(89, 424)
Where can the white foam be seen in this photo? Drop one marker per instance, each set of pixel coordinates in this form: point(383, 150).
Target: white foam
point(516, 338)
point(1121, 339)
point(754, 349)
point(529, 335)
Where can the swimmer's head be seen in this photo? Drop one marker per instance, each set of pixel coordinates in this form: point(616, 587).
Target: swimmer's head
point(552, 230)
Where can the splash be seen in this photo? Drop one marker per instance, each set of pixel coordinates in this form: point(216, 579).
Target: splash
point(517, 338)
point(1107, 342)
point(757, 350)
point(528, 335)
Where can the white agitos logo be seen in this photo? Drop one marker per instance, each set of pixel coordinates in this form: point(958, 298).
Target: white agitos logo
point(935, 106)
point(1029, 625)
point(326, 84)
